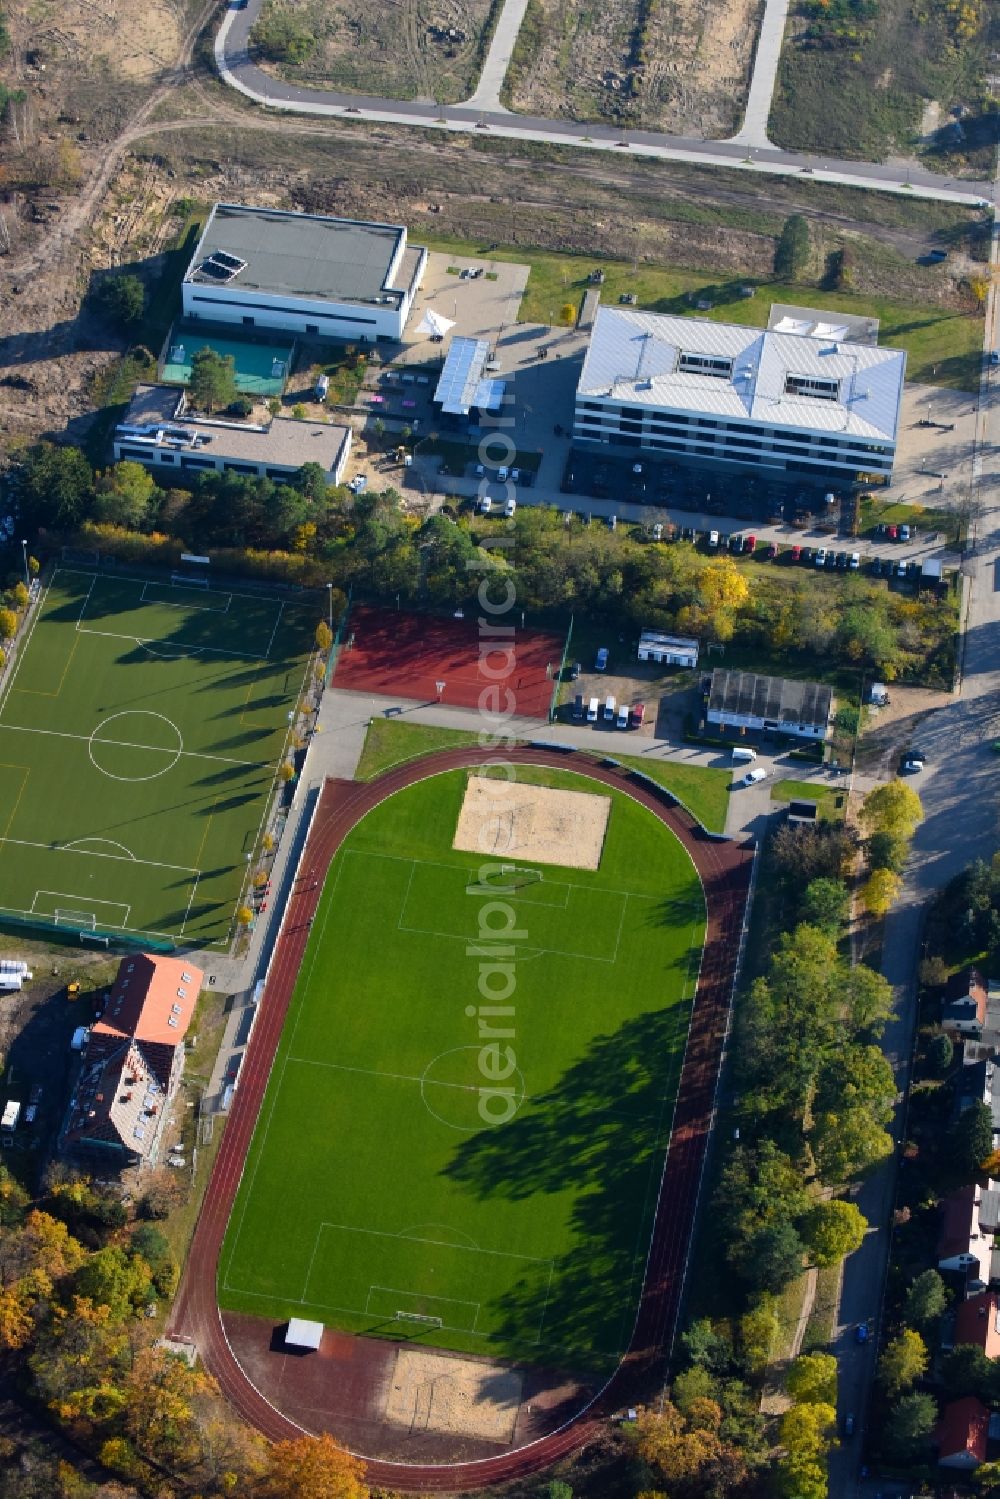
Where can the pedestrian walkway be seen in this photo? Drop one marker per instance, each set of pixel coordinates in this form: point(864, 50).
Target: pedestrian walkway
point(764, 76)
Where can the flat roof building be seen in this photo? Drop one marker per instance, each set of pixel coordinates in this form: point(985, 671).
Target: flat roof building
point(158, 433)
point(741, 700)
point(667, 650)
point(464, 386)
point(304, 273)
point(810, 403)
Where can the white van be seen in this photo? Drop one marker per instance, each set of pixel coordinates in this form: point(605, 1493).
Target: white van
point(744, 756)
point(609, 709)
point(593, 708)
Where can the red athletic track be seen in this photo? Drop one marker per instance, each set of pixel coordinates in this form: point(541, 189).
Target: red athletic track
point(724, 868)
point(406, 655)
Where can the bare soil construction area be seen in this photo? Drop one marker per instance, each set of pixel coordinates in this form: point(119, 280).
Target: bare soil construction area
point(399, 49)
point(679, 65)
point(512, 821)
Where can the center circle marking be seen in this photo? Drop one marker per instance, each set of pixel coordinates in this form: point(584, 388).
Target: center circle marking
point(134, 743)
point(516, 1080)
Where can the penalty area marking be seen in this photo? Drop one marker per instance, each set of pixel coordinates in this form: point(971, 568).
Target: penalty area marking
point(80, 903)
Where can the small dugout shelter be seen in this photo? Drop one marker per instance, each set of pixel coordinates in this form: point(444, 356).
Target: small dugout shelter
point(304, 1335)
point(667, 650)
point(773, 705)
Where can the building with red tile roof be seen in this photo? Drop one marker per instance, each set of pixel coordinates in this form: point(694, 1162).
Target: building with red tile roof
point(133, 1060)
point(962, 1434)
point(978, 1321)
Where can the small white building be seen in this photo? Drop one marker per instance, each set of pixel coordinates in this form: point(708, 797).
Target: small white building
point(776, 705)
point(158, 433)
point(303, 1334)
point(304, 273)
point(667, 650)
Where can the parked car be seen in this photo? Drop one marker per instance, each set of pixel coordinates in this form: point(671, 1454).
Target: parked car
point(612, 523)
point(772, 552)
point(861, 1333)
point(849, 1424)
point(575, 671)
point(485, 505)
point(579, 709)
point(658, 531)
point(842, 560)
point(876, 567)
point(713, 538)
point(751, 543)
point(891, 532)
point(623, 716)
point(900, 569)
point(735, 543)
point(509, 507)
point(601, 664)
point(913, 761)
point(638, 714)
point(855, 562)
point(820, 556)
point(795, 555)
point(831, 561)
point(904, 533)
point(753, 776)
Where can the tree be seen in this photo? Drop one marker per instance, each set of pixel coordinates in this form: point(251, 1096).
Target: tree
point(966, 1370)
point(286, 772)
point(832, 1231)
point(887, 851)
point(792, 253)
point(705, 1347)
point(813, 1378)
point(940, 1053)
point(892, 808)
point(806, 1434)
point(774, 1257)
point(567, 315)
point(696, 1383)
point(903, 1362)
point(8, 624)
point(558, 1490)
point(970, 1139)
point(907, 1431)
point(56, 487)
point(880, 892)
point(934, 972)
point(20, 595)
point(758, 1333)
point(799, 855)
point(825, 904)
point(848, 1142)
point(311, 1468)
point(925, 1302)
point(867, 998)
point(156, 1251)
point(115, 1279)
point(245, 918)
point(324, 637)
point(676, 1449)
point(213, 380)
point(126, 496)
point(123, 298)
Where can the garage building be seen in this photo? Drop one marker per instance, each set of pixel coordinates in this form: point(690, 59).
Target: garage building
point(776, 705)
point(667, 650)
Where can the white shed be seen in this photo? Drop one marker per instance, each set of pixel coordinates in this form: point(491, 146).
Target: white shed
point(303, 1334)
point(667, 650)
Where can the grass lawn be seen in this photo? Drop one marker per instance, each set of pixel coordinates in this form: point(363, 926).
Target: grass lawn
point(704, 791)
point(140, 735)
point(391, 741)
point(523, 1238)
point(829, 800)
point(875, 511)
point(932, 336)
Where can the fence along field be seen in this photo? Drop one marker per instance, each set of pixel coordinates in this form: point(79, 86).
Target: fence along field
point(140, 735)
point(404, 1214)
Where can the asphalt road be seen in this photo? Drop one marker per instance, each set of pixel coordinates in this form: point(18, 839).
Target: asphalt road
point(236, 68)
point(959, 790)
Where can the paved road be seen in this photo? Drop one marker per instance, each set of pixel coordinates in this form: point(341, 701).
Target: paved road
point(960, 796)
point(765, 72)
point(487, 95)
point(236, 68)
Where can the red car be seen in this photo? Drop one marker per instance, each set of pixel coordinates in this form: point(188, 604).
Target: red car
point(637, 715)
point(751, 543)
point(892, 532)
point(796, 554)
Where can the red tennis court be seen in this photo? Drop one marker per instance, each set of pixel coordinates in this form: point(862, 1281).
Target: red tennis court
point(407, 655)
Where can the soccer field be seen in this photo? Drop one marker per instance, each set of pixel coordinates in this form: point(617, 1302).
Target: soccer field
point(139, 738)
point(401, 1211)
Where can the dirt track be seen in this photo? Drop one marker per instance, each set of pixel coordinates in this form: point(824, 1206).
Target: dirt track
point(724, 869)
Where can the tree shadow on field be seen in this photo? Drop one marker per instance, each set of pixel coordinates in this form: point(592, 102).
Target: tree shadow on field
point(218, 777)
point(601, 1131)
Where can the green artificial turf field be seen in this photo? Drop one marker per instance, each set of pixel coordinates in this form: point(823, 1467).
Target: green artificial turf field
point(526, 1238)
point(139, 738)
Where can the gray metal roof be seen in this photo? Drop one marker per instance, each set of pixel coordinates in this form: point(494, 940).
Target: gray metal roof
point(742, 694)
point(299, 255)
point(458, 388)
point(645, 359)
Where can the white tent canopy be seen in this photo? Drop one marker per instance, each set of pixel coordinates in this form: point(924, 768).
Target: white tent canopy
point(303, 1334)
point(434, 325)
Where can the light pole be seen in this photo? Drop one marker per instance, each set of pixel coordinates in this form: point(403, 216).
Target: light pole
point(27, 576)
point(329, 596)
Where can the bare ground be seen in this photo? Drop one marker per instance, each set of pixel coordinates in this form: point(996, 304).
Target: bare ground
point(692, 79)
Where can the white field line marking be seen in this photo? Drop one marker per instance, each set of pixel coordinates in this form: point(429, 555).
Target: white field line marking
point(187, 908)
point(253, 1177)
point(172, 604)
point(23, 649)
point(396, 1077)
point(277, 622)
point(153, 749)
point(89, 853)
point(179, 651)
point(94, 838)
point(86, 572)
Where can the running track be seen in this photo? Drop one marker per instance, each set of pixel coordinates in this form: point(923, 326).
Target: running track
point(725, 869)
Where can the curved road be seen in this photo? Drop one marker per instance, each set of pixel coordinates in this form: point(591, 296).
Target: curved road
point(235, 66)
point(724, 868)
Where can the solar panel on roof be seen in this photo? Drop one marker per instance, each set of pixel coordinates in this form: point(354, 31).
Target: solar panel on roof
point(461, 376)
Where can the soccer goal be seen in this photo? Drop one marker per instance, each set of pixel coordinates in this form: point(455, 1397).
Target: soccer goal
point(85, 920)
point(189, 580)
point(419, 1318)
